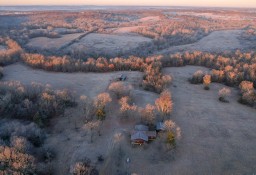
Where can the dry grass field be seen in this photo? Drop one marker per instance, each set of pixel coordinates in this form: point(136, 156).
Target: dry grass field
point(109, 43)
point(218, 41)
point(216, 138)
point(52, 44)
point(81, 109)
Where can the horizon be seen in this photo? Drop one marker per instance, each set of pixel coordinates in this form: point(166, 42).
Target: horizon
point(149, 3)
point(167, 6)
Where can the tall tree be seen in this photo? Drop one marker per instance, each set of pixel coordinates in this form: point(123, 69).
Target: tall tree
point(164, 104)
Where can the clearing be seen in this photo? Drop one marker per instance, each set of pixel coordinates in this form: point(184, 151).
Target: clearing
point(122, 30)
point(150, 19)
point(217, 137)
point(52, 44)
point(218, 41)
point(109, 43)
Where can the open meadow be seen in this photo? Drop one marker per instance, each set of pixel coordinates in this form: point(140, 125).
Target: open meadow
point(140, 91)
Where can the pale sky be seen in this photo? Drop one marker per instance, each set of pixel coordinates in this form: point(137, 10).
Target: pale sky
point(212, 3)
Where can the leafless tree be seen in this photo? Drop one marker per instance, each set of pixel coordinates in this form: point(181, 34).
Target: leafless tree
point(164, 104)
point(88, 107)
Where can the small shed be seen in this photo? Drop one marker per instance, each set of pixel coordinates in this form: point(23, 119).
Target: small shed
point(122, 77)
point(160, 127)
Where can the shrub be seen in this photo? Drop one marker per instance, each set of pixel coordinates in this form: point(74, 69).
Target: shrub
point(119, 89)
point(223, 94)
point(246, 86)
point(35, 102)
point(248, 98)
point(248, 95)
point(83, 167)
point(197, 77)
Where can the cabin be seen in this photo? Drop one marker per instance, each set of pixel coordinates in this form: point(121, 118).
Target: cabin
point(141, 135)
point(122, 77)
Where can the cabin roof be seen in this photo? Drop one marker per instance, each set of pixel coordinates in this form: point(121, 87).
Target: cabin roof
point(141, 128)
point(160, 126)
point(139, 135)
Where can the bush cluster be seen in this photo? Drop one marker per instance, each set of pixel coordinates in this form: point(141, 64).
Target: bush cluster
point(248, 94)
point(154, 80)
point(21, 148)
point(36, 102)
point(11, 54)
point(228, 68)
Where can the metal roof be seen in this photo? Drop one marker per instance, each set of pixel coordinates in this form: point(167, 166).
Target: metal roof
point(139, 135)
point(141, 128)
point(160, 126)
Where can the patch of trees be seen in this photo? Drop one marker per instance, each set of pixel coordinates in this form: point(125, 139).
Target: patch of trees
point(154, 80)
point(67, 64)
point(127, 108)
point(248, 94)
point(36, 102)
point(22, 150)
point(95, 111)
point(228, 68)
point(119, 89)
point(83, 167)
point(43, 33)
point(11, 54)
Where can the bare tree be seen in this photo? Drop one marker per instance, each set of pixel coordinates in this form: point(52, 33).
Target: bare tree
point(100, 103)
point(207, 81)
point(148, 114)
point(164, 104)
point(173, 131)
point(119, 89)
point(88, 107)
point(127, 110)
point(92, 127)
point(197, 77)
point(83, 167)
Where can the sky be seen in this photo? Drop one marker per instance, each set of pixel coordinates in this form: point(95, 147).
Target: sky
point(211, 3)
